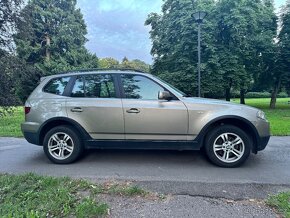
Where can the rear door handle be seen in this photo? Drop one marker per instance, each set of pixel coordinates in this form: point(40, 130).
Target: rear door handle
point(133, 110)
point(77, 109)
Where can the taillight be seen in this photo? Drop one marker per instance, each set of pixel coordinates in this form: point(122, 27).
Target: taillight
point(27, 110)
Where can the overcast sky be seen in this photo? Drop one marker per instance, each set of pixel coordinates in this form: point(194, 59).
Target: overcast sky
point(116, 27)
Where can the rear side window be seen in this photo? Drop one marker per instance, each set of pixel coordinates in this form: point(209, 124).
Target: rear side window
point(57, 85)
point(94, 86)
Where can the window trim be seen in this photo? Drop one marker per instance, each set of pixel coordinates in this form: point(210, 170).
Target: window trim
point(58, 77)
point(122, 91)
point(117, 91)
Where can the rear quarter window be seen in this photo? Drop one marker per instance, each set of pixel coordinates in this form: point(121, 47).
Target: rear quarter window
point(56, 86)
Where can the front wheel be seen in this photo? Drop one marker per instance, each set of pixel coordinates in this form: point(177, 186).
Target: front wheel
point(62, 145)
point(228, 146)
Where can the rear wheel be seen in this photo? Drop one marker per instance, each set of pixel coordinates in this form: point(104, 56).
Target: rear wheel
point(228, 146)
point(62, 145)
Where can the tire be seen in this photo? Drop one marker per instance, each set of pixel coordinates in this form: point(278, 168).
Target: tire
point(227, 146)
point(62, 145)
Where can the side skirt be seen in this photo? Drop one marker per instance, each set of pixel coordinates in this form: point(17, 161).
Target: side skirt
point(139, 144)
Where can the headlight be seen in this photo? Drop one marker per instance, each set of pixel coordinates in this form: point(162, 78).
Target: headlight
point(261, 115)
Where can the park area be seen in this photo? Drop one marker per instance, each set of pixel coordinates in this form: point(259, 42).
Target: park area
point(221, 49)
point(279, 117)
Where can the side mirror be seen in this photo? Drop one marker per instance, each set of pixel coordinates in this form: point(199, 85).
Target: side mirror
point(164, 95)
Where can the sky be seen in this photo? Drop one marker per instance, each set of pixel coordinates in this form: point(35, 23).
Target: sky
point(116, 27)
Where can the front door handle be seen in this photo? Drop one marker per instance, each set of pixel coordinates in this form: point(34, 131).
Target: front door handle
point(133, 110)
point(77, 109)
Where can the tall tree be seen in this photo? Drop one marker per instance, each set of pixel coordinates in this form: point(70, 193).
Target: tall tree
point(174, 50)
point(245, 29)
point(282, 71)
point(9, 12)
point(235, 35)
point(51, 37)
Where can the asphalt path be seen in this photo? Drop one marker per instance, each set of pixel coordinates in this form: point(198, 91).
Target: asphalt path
point(178, 172)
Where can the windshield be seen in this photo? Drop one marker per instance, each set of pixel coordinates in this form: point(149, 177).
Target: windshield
point(172, 87)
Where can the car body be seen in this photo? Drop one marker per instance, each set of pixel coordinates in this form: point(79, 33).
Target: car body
point(130, 109)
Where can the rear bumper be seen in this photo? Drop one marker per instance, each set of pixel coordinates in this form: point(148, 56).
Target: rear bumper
point(31, 137)
point(30, 132)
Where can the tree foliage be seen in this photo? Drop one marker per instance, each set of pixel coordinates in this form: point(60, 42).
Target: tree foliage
point(51, 37)
point(9, 13)
point(174, 37)
point(8, 62)
point(135, 64)
point(237, 44)
point(281, 73)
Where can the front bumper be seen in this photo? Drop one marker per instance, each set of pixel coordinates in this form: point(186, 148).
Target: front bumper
point(263, 137)
point(261, 145)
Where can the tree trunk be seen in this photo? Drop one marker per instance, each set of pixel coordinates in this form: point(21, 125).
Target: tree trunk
point(228, 90)
point(47, 52)
point(228, 94)
point(274, 93)
point(242, 96)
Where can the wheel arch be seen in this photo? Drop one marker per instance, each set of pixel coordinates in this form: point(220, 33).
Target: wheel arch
point(237, 121)
point(58, 121)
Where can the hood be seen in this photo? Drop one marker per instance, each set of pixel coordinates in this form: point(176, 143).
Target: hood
point(207, 101)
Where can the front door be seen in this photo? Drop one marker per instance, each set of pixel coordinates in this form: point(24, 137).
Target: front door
point(146, 117)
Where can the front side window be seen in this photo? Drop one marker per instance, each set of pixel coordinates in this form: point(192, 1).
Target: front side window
point(94, 86)
point(140, 87)
point(57, 85)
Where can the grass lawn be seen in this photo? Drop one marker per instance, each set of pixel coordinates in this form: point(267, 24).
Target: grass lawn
point(10, 124)
point(279, 118)
point(33, 196)
point(281, 202)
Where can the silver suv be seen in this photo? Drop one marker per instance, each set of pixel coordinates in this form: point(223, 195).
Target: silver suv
point(119, 109)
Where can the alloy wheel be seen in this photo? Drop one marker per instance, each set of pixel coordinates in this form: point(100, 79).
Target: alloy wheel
point(229, 147)
point(60, 145)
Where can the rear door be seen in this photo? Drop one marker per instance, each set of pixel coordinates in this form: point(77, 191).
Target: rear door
point(95, 105)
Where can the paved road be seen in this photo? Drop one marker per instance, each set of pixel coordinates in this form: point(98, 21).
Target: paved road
point(180, 172)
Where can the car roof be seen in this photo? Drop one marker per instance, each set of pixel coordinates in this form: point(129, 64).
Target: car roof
point(85, 71)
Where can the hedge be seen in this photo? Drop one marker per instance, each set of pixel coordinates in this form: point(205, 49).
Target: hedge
point(264, 95)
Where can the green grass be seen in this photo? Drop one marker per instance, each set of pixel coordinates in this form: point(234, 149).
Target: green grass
point(119, 189)
point(10, 124)
point(30, 195)
point(281, 202)
point(279, 117)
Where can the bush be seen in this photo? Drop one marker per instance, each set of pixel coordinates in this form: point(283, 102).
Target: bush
point(282, 95)
point(265, 95)
point(258, 95)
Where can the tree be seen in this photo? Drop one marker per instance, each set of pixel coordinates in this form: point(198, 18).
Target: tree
point(108, 63)
point(8, 62)
point(10, 10)
point(125, 63)
point(135, 64)
point(235, 35)
point(51, 37)
point(281, 73)
point(174, 37)
point(140, 65)
point(245, 29)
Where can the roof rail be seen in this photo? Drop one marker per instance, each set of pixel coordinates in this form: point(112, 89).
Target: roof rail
point(102, 69)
